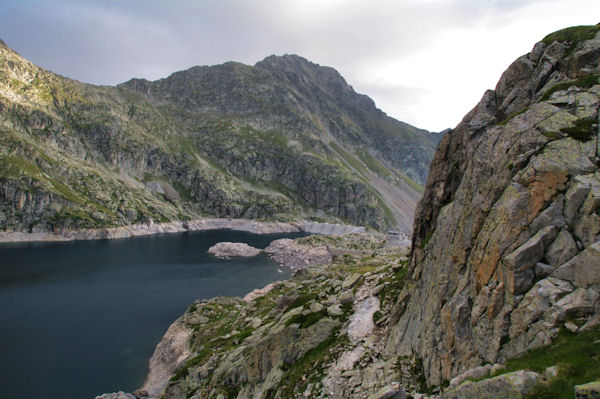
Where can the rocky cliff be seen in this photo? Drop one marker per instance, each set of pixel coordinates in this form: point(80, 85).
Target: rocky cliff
point(505, 245)
point(279, 140)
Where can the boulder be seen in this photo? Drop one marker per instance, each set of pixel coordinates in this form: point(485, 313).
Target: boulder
point(390, 391)
point(562, 249)
point(578, 303)
point(575, 197)
point(259, 292)
point(542, 269)
point(195, 318)
point(551, 216)
point(591, 323)
point(514, 385)
point(475, 373)
point(316, 307)
point(551, 372)
point(583, 269)
point(533, 305)
point(351, 280)
point(592, 202)
point(532, 251)
point(587, 229)
point(569, 325)
point(335, 310)
point(590, 390)
point(346, 297)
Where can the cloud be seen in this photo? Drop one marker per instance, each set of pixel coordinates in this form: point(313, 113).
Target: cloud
point(426, 62)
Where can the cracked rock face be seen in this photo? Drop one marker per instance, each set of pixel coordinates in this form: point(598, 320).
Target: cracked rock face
point(509, 222)
point(361, 323)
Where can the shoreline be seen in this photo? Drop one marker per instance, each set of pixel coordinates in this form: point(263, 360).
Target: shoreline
point(151, 228)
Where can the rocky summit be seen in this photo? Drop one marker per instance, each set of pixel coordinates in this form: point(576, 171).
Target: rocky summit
point(284, 139)
point(498, 297)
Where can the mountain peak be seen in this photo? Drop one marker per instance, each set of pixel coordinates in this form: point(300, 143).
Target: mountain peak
point(285, 59)
point(292, 63)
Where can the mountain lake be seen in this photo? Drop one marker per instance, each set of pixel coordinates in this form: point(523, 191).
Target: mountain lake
point(82, 318)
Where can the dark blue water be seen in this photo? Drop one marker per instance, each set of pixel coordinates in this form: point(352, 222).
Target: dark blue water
point(82, 318)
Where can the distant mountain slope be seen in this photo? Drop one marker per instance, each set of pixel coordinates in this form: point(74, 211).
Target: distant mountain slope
point(311, 103)
point(280, 140)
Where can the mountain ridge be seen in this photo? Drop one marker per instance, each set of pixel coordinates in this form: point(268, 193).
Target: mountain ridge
point(230, 140)
point(308, 80)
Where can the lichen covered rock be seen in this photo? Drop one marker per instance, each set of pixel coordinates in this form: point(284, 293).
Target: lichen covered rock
point(507, 386)
point(588, 391)
point(505, 243)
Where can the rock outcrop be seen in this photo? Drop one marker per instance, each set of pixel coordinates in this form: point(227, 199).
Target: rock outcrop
point(505, 244)
point(297, 256)
point(588, 391)
point(508, 386)
point(170, 354)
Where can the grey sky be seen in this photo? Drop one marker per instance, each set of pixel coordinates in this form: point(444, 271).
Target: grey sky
point(426, 62)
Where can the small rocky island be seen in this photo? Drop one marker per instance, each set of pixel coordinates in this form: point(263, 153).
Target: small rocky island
point(230, 249)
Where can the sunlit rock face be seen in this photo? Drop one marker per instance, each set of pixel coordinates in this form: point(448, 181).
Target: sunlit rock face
point(505, 243)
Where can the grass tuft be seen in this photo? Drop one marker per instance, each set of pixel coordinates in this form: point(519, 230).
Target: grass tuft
point(577, 357)
point(300, 301)
point(307, 320)
point(374, 164)
point(584, 82)
point(573, 33)
point(193, 362)
point(310, 364)
point(582, 130)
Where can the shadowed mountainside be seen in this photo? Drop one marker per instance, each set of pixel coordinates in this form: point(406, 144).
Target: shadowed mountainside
point(283, 139)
